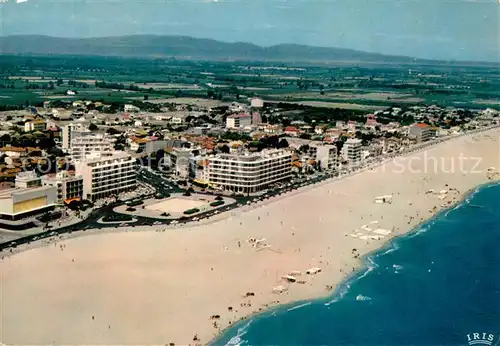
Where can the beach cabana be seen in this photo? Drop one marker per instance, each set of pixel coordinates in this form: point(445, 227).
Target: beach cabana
point(289, 278)
point(314, 270)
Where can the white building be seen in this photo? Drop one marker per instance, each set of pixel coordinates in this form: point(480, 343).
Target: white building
point(66, 133)
point(19, 203)
point(177, 119)
point(326, 155)
point(105, 176)
point(25, 180)
point(130, 108)
point(27, 198)
point(178, 160)
point(237, 121)
point(256, 103)
point(69, 186)
point(421, 132)
point(352, 151)
point(71, 131)
point(83, 146)
point(248, 173)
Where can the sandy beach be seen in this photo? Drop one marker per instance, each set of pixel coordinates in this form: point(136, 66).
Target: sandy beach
point(157, 288)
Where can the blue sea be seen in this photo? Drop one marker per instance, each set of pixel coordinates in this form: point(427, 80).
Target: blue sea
point(431, 287)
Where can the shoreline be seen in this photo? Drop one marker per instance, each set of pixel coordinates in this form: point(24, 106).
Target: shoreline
point(306, 237)
point(366, 266)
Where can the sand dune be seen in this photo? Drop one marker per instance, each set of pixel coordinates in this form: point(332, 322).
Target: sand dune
point(157, 288)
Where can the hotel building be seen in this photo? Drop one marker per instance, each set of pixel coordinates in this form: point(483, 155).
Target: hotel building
point(83, 146)
point(69, 186)
point(105, 175)
point(247, 173)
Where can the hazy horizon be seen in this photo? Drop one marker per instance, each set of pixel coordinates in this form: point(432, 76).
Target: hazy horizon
point(430, 29)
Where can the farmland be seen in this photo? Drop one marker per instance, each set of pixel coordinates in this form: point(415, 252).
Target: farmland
point(33, 80)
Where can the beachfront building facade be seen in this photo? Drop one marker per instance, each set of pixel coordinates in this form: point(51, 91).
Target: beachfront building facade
point(106, 175)
point(245, 173)
point(352, 150)
point(326, 156)
point(421, 132)
point(69, 186)
point(178, 160)
point(27, 198)
point(83, 146)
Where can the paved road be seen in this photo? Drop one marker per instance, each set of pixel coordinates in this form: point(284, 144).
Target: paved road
point(164, 186)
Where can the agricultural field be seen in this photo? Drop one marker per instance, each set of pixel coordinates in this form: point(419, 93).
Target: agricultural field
point(33, 80)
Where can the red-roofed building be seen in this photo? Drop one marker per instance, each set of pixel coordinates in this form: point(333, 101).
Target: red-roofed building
point(421, 132)
point(291, 131)
point(351, 125)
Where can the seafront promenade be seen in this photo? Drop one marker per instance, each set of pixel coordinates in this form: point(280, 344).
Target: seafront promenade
point(75, 229)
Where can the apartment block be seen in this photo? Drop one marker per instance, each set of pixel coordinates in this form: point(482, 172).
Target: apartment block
point(83, 146)
point(245, 173)
point(106, 175)
point(236, 121)
point(422, 132)
point(352, 151)
point(71, 131)
point(178, 160)
point(327, 156)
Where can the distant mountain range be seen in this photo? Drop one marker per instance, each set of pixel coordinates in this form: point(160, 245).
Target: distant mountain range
point(183, 47)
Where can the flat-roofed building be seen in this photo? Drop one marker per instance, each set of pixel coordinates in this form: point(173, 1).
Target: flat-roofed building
point(327, 156)
point(69, 186)
point(106, 175)
point(246, 173)
point(35, 125)
point(70, 131)
point(178, 160)
point(422, 132)
point(83, 146)
point(236, 121)
point(352, 151)
point(66, 132)
point(19, 203)
point(28, 179)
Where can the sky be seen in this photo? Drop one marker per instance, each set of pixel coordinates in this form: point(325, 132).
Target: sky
point(435, 29)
